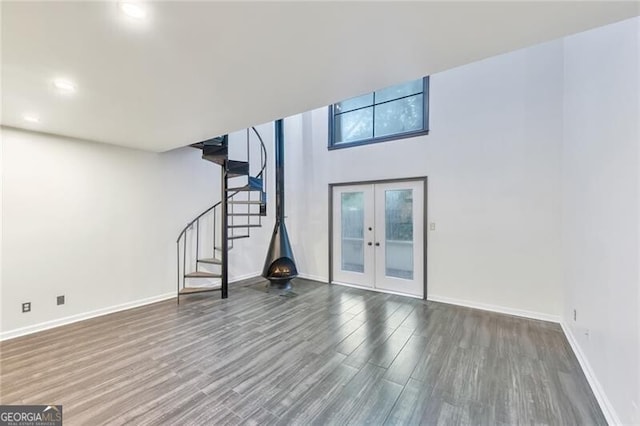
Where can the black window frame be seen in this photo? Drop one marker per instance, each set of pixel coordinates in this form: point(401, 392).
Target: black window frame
point(410, 134)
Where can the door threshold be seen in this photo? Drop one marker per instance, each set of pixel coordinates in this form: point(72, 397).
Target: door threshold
point(378, 290)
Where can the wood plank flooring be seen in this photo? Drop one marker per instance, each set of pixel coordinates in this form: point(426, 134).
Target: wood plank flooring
point(329, 355)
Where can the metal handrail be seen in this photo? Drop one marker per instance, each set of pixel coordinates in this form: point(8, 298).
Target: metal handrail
point(183, 234)
point(264, 159)
point(260, 174)
point(190, 224)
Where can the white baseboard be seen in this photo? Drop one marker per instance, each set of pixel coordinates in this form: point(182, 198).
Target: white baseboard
point(312, 277)
point(605, 405)
point(12, 334)
point(495, 308)
point(237, 278)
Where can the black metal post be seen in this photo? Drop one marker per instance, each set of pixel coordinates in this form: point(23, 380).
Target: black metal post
point(225, 233)
point(248, 149)
point(263, 176)
point(279, 158)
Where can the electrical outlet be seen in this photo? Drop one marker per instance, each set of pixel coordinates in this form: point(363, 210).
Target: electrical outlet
point(575, 315)
point(60, 300)
point(26, 307)
point(432, 226)
point(588, 334)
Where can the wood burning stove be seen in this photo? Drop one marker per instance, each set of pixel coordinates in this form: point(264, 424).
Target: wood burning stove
point(280, 266)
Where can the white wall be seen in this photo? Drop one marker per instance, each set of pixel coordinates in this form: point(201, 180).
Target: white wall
point(600, 213)
point(493, 162)
point(98, 224)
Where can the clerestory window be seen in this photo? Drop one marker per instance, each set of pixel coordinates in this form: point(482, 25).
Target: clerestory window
point(395, 112)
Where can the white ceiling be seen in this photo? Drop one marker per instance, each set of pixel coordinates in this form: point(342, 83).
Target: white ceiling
point(194, 70)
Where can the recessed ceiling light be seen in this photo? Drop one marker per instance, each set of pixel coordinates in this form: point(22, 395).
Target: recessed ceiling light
point(64, 86)
point(133, 10)
point(31, 118)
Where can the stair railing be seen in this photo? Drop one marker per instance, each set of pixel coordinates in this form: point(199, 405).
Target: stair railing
point(213, 212)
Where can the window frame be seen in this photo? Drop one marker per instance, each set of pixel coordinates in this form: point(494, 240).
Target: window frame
point(331, 145)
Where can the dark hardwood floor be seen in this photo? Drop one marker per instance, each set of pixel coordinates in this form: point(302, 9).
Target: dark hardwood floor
point(329, 355)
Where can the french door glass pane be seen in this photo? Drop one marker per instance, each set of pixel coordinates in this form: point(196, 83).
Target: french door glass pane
point(352, 212)
point(401, 116)
point(399, 233)
point(354, 126)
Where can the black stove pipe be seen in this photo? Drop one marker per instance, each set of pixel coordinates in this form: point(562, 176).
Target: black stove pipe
point(279, 266)
point(279, 157)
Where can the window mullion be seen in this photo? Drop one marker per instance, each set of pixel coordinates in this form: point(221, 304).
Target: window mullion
point(373, 117)
point(400, 98)
point(352, 110)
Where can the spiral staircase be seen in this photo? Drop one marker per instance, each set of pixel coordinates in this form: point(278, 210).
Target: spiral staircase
point(204, 243)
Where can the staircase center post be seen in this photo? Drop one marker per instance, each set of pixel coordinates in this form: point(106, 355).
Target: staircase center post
point(224, 219)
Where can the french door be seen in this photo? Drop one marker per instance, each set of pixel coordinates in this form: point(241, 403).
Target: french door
point(378, 236)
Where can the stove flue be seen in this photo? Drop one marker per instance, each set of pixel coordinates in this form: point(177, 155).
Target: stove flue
point(280, 266)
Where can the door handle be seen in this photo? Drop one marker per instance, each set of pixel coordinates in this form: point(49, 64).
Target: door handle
point(377, 244)
point(369, 243)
